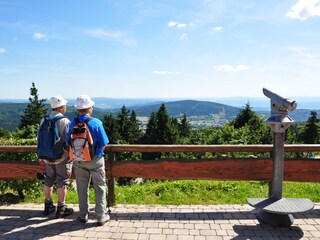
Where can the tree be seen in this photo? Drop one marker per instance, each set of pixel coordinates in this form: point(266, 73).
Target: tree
point(134, 130)
point(166, 131)
point(111, 127)
point(34, 111)
point(258, 131)
point(310, 133)
point(150, 134)
point(243, 117)
point(123, 128)
point(4, 133)
point(184, 126)
point(161, 129)
point(123, 123)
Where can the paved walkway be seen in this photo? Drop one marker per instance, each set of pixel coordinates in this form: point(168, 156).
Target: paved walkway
point(184, 222)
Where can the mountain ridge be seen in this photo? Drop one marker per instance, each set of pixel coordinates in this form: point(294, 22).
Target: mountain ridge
point(257, 103)
point(206, 112)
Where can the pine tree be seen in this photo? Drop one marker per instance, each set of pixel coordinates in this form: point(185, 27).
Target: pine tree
point(111, 127)
point(134, 130)
point(243, 117)
point(161, 129)
point(150, 134)
point(34, 111)
point(184, 126)
point(165, 131)
point(310, 133)
point(123, 123)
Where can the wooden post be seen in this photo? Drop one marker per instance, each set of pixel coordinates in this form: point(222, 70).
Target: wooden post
point(111, 199)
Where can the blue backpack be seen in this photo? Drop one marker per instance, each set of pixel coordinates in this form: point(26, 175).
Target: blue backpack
point(50, 146)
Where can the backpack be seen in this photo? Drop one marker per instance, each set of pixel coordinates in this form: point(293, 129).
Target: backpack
point(50, 145)
point(81, 144)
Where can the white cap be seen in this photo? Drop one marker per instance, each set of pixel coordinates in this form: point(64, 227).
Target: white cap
point(83, 102)
point(57, 101)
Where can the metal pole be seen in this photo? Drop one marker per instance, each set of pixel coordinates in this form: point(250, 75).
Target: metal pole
point(278, 165)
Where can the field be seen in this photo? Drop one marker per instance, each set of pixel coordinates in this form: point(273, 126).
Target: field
point(194, 192)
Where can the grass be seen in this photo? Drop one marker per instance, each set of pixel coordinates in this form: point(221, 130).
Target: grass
point(197, 192)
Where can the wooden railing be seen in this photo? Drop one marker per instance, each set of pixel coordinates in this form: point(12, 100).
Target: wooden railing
point(252, 168)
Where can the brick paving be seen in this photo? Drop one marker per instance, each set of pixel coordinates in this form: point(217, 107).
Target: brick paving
point(155, 222)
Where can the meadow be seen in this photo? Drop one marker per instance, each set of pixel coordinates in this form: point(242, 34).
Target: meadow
point(204, 192)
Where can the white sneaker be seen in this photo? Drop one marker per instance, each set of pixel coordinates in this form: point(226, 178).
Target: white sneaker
point(103, 219)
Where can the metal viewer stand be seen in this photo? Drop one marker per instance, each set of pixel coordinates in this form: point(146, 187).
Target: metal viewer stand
point(275, 210)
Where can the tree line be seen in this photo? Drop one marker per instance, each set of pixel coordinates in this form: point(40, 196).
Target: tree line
point(125, 128)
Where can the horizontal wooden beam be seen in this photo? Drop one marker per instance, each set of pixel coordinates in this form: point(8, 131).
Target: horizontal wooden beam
point(18, 149)
point(302, 170)
point(240, 169)
point(210, 148)
point(16, 170)
point(183, 148)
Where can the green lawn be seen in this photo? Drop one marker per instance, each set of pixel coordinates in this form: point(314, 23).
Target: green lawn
point(199, 192)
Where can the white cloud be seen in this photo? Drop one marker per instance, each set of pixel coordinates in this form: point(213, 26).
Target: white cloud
point(39, 36)
point(2, 50)
point(100, 33)
point(165, 73)
point(118, 36)
point(228, 68)
point(217, 29)
point(304, 9)
point(184, 36)
point(177, 25)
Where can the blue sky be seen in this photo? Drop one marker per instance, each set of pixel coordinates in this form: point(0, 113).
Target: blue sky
point(159, 49)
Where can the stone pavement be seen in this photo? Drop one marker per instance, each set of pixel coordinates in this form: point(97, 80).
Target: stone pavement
point(155, 222)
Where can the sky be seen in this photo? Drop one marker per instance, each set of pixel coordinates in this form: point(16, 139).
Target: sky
point(159, 49)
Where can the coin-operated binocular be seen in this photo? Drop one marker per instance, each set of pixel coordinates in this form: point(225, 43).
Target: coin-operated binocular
point(279, 119)
point(275, 210)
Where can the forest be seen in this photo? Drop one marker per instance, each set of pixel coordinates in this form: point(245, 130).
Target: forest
point(125, 128)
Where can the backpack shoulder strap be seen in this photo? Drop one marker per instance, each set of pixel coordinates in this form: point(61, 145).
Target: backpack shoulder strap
point(54, 120)
point(46, 117)
point(87, 120)
point(90, 140)
point(58, 118)
point(76, 120)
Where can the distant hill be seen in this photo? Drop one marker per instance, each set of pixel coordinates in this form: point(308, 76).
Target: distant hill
point(188, 107)
point(100, 102)
point(11, 113)
point(200, 113)
point(257, 103)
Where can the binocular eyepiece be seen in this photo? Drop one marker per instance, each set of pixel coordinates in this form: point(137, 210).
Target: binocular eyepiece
point(278, 102)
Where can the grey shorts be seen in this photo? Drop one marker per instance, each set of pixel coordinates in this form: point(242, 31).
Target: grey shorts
point(58, 173)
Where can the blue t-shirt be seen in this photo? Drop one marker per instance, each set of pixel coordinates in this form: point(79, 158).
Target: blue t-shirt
point(99, 136)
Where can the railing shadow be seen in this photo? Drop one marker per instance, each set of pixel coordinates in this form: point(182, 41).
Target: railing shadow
point(182, 216)
point(31, 224)
point(201, 216)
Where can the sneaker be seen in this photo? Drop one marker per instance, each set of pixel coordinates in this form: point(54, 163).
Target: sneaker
point(103, 219)
point(83, 219)
point(49, 208)
point(63, 211)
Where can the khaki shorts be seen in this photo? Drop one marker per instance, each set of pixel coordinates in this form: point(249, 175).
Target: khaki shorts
point(58, 173)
